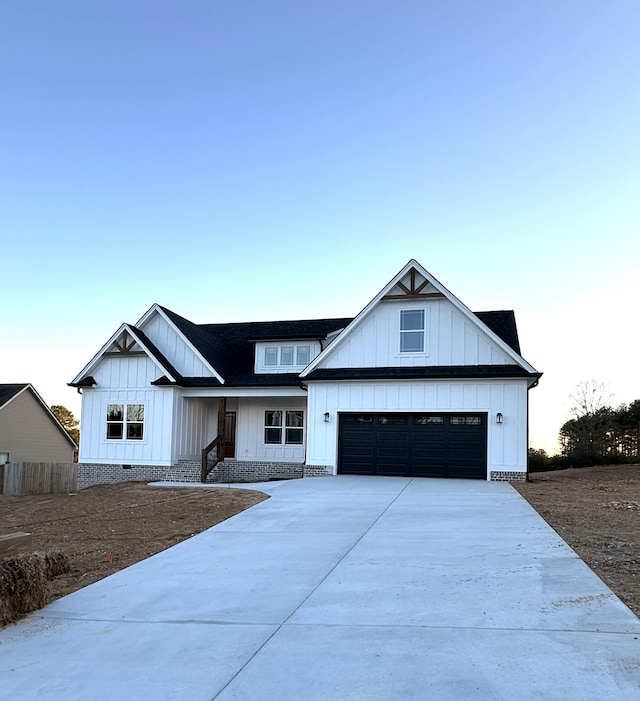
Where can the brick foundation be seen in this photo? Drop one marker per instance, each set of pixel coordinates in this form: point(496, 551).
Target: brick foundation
point(189, 471)
point(254, 471)
point(91, 474)
point(508, 476)
point(317, 470)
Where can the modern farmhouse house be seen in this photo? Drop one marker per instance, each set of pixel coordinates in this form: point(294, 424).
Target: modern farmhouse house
point(416, 385)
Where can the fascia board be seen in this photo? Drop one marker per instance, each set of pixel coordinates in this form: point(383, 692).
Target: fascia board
point(360, 317)
point(86, 370)
point(52, 416)
point(99, 355)
point(132, 332)
point(472, 318)
point(156, 308)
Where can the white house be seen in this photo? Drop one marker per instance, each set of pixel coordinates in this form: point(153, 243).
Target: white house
point(416, 384)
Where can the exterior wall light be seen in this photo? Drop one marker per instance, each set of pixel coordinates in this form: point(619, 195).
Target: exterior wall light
point(498, 418)
point(326, 417)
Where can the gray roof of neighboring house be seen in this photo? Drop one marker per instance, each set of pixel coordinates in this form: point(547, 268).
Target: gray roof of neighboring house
point(8, 392)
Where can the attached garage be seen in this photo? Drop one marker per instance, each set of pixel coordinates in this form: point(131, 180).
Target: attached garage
point(437, 444)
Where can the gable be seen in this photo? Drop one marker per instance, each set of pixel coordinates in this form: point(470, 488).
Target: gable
point(29, 428)
point(449, 338)
point(415, 322)
point(174, 345)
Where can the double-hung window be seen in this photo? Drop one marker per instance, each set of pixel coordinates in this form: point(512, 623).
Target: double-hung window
point(125, 422)
point(412, 330)
point(283, 427)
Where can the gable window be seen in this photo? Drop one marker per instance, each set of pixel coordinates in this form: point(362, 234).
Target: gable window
point(412, 330)
point(283, 427)
point(125, 422)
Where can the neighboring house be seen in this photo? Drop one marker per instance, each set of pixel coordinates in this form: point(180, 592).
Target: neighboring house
point(416, 384)
point(29, 432)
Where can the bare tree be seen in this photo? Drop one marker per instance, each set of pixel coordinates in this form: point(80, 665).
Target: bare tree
point(589, 398)
point(586, 436)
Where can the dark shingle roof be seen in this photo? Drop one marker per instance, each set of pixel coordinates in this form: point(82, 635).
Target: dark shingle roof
point(420, 372)
point(8, 392)
point(230, 348)
point(503, 324)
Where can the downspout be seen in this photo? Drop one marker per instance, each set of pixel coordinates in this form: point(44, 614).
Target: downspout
point(535, 384)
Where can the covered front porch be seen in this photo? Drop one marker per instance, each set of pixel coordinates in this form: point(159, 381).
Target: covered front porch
point(240, 435)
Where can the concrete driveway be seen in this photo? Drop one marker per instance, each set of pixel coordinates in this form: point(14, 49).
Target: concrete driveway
point(341, 588)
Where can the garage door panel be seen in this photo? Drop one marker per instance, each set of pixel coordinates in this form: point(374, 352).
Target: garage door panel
point(420, 444)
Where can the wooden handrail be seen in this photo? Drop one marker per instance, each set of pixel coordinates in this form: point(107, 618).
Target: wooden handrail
point(205, 470)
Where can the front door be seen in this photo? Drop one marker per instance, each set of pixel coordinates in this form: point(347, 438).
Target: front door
point(230, 434)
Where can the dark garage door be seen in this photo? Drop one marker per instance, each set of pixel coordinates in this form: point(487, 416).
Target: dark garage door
point(413, 445)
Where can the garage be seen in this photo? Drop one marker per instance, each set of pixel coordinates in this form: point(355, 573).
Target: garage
point(437, 444)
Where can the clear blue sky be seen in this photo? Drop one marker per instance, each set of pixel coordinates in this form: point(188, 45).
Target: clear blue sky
point(271, 160)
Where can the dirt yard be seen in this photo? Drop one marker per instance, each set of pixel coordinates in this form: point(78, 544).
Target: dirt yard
point(597, 511)
point(107, 528)
point(104, 529)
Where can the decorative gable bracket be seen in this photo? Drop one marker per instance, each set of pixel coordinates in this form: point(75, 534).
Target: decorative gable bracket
point(412, 286)
point(125, 345)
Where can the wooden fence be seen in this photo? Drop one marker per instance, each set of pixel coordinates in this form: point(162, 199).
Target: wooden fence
point(22, 478)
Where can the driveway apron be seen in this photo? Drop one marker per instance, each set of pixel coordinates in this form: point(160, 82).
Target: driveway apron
point(341, 588)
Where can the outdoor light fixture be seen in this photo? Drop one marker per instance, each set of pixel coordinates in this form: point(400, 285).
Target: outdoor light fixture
point(326, 417)
point(498, 418)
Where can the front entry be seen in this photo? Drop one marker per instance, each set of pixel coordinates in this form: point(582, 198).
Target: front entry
point(230, 434)
point(437, 444)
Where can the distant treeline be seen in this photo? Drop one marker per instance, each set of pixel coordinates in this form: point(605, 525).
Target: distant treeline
point(601, 437)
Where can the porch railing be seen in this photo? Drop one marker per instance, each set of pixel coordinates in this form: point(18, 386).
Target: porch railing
point(217, 442)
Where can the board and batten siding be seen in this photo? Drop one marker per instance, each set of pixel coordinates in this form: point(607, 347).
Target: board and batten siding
point(174, 348)
point(250, 443)
point(506, 442)
point(29, 434)
point(451, 339)
point(126, 380)
point(196, 424)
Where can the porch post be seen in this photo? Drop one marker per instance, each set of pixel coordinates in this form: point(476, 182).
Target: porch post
point(222, 410)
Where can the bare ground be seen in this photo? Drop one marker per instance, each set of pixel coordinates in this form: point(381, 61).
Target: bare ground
point(597, 511)
point(106, 528)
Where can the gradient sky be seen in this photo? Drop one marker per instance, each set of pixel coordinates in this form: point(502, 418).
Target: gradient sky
point(239, 161)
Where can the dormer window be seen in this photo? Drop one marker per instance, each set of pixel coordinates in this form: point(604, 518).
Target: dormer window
point(271, 357)
point(287, 356)
point(412, 330)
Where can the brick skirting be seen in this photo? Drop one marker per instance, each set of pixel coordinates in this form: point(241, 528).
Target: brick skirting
point(189, 471)
point(92, 474)
point(508, 476)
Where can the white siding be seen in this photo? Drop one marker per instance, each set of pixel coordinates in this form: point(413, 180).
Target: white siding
point(451, 339)
point(172, 345)
point(250, 443)
point(125, 380)
point(260, 367)
point(196, 424)
point(507, 442)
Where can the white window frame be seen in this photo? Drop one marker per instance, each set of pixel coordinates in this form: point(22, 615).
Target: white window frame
point(125, 422)
point(284, 427)
point(276, 356)
point(404, 333)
